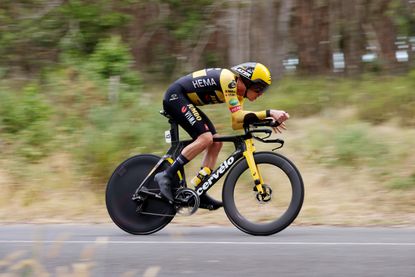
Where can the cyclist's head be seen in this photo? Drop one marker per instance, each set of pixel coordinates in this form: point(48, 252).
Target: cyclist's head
point(255, 76)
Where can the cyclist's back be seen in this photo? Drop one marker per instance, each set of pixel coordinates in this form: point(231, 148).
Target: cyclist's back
point(205, 86)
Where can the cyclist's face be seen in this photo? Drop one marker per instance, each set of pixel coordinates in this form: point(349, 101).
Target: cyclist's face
point(240, 86)
point(252, 95)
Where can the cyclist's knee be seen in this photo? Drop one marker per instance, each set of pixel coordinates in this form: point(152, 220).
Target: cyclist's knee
point(205, 139)
point(217, 144)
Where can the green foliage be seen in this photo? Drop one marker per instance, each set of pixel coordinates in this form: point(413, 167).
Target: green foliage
point(403, 183)
point(101, 134)
point(190, 18)
point(26, 116)
point(33, 33)
point(348, 145)
point(354, 146)
point(112, 135)
point(376, 99)
point(306, 97)
point(392, 98)
point(163, 64)
point(403, 17)
point(113, 58)
point(90, 22)
point(20, 113)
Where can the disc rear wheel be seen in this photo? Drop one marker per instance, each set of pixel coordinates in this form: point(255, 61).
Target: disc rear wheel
point(139, 218)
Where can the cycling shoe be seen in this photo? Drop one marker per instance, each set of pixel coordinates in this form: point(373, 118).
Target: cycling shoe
point(164, 182)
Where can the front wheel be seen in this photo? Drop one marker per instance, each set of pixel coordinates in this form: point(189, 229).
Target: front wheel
point(251, 213)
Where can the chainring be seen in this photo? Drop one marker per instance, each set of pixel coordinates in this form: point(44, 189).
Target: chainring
point(186, 201)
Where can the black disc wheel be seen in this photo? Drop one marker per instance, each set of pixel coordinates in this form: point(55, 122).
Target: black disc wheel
point(135, 217)
point(271, 212)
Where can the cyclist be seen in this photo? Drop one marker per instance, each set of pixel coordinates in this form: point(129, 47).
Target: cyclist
point(211, 86)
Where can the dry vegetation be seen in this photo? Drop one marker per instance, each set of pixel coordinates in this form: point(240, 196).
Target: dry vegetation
point(364, 192)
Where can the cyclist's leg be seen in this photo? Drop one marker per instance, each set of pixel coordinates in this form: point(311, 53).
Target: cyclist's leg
point(209, 160)
point(188, 117)
point(212, 151)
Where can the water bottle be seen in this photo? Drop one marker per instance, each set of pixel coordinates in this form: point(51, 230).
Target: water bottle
point(205, 171)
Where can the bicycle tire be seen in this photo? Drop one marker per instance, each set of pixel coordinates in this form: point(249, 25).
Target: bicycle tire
point(120, 189)
point(268, 225)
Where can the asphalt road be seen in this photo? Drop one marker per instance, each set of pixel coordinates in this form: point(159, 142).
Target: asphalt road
point(105, 250)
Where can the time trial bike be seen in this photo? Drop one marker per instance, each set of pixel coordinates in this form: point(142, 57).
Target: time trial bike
point(262, 194)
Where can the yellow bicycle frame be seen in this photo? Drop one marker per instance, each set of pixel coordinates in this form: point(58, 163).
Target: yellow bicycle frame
point(249, 156)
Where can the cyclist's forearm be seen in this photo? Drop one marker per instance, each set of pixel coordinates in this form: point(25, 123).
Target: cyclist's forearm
point(245, 117)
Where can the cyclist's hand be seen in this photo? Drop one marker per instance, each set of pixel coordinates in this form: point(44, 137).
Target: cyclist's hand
point(280, 128)
point(280, 117)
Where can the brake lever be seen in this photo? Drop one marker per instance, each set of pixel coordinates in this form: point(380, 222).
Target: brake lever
point(266, 131)
point(264, 140)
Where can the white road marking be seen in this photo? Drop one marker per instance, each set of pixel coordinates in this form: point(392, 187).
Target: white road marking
point(212, 242)
point(152, 271)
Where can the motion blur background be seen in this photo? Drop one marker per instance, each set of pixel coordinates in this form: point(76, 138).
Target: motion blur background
point(81, 84)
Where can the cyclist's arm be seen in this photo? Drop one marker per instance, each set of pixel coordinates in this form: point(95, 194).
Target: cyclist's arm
point(239, 116)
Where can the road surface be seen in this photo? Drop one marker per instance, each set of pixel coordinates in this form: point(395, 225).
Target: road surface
point(105, 250)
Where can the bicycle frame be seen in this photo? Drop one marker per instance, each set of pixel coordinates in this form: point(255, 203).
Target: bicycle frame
point(244, 147)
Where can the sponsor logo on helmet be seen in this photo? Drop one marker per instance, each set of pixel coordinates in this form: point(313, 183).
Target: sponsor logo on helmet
point(233, 102)
point(232, 84)
point(249, 69)
point(243, 72)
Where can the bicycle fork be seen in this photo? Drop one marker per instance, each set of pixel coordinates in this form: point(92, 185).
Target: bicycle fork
point(249, 156)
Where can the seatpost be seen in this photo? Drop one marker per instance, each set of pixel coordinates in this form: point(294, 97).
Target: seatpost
point(174, 131)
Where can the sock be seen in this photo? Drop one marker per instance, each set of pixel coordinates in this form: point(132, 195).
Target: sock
point(177, 165)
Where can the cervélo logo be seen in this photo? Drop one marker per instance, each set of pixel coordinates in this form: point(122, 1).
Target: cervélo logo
point(215, 175)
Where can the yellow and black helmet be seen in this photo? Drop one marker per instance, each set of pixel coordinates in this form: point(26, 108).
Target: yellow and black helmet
point(255, 76)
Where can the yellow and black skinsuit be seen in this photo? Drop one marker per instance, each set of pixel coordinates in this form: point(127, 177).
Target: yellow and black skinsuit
point(203, 87)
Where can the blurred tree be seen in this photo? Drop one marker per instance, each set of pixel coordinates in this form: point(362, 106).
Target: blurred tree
point(170, 37)
point(402, 13)
point(311, 34)
point(34, 32)
point(282, 39)
point(353, 39)
point(385, 31)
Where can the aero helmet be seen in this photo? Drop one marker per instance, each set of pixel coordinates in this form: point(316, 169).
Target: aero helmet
point(255, 76)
